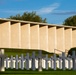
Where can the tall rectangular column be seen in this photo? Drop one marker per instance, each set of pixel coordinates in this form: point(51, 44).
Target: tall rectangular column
point(2, 57)
point(60, 39)
point(34, 36)
point(52, 44)
point(25, 36)
point(74, 37)
point(43, 34)
point(15, 35)
point(68, 38)
point(5, 34)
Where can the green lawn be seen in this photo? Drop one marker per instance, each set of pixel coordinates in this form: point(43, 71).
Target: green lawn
point(15, 51)
point(39, 73)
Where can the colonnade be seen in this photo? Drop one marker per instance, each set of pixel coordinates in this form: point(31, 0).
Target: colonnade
point(33, 35)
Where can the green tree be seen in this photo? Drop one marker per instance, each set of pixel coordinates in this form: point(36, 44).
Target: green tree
point(71, 21)
point(28, 16)
point(71, 50)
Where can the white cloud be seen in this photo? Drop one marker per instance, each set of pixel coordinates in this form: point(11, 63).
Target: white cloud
point(49, 9)
point(52, 9)
point(44, 10)
point(64, 12)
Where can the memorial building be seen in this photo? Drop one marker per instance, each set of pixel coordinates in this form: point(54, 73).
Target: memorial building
point(34, 35)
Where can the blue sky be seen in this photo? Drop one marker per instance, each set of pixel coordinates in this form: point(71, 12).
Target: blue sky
point(56, 11)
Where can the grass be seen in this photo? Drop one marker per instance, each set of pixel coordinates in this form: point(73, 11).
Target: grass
point(49, 72)
point(15, 51)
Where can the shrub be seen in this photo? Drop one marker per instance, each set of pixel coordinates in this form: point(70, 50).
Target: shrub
point(71, 50)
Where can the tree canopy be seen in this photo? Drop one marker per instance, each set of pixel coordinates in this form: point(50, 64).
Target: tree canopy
point(71, 21)
point(28, 16)
point(71, 50)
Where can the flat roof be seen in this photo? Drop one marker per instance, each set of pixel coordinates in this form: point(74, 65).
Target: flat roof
point(37, 23)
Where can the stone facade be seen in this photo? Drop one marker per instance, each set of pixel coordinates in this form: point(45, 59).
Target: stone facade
point(34, 35)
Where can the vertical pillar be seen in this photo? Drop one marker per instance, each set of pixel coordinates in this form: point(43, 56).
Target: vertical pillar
point(16, 62)
point(43, 31)
point(68, 38)
point(60, 63)
point(15, 35)
point(60, 39)
point(25, 36)
point(7, 63)
point(34, 36)
point(33, 61)
point(27, 61)
point(46, 62)
point(52, 44)
point(54, 59)
point(69, 64)
point(22, 62)
point(40, 61)
point(74, 60)
point(2, 60)
point(63, 60)
point(11, 62)
point(74, 37)
point(5, 35)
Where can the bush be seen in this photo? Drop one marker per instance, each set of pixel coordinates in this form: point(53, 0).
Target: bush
point(71, 50)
